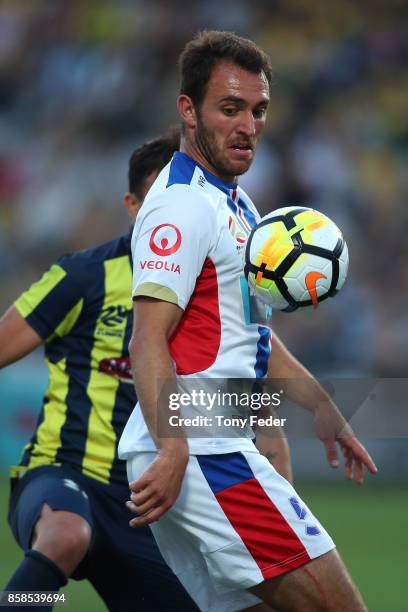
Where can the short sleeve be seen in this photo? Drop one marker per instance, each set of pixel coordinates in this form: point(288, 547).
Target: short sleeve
point(53, 304)
point(173, 236)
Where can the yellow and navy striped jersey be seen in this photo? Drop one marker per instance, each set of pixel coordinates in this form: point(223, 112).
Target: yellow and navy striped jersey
point(82, 308)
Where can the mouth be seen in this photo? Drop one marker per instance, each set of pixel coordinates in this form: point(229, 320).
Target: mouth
point(242, 146)
point(243, 150)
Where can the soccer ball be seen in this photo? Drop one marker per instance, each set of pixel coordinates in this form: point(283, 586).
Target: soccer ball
point(294, 257)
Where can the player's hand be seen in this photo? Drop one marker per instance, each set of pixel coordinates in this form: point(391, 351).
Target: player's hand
point(333, 430)
point(157, 488)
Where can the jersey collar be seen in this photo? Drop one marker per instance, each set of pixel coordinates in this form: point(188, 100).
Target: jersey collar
point(190, 163)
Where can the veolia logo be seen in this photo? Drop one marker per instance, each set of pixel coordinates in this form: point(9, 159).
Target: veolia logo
point(165, 239)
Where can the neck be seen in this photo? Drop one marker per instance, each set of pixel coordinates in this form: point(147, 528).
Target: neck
point(191, 149)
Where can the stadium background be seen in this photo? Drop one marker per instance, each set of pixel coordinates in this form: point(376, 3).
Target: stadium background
point(83, 83)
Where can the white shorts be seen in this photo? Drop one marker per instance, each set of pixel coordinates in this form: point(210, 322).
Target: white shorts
point(236, 523)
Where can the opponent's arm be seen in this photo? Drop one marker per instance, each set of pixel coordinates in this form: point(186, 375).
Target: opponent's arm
point(53, 302)
point(300, 386)
point(158, 487)
point(17, 338)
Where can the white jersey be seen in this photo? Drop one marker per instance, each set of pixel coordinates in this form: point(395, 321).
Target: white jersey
point(188, 245)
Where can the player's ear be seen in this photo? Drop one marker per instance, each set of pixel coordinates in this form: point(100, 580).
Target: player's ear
point(132, 204)
point(187, 111)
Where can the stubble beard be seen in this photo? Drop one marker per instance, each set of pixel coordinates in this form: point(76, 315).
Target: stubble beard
point(208, 147)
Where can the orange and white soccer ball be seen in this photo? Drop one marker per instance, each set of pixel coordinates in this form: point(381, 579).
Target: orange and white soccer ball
point(295, 256)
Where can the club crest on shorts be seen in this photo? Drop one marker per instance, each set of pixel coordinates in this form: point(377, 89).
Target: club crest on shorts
point(301, 512)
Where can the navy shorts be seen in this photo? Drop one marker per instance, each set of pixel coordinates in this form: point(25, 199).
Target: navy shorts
point(123, 564)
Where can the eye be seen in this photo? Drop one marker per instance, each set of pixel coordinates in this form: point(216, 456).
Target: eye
point(230, 111)
point(259, 113)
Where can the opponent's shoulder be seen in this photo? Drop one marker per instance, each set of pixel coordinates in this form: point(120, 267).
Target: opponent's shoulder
point(84, 263)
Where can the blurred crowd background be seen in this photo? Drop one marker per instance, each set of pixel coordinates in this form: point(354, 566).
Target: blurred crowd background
point(83, 83)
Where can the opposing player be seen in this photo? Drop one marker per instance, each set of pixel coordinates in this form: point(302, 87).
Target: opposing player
point(225, 521)
point(67, 507)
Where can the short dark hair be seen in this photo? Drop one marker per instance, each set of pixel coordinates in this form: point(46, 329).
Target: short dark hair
point(208, 47)
point(151, 155)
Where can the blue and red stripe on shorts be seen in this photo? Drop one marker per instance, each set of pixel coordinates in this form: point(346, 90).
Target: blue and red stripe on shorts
point(272, 543)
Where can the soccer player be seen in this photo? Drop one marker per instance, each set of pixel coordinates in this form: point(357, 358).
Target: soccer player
point(226, 522)
point(67, 507)
point(81, 310)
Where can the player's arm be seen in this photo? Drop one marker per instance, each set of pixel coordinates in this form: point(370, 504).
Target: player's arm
point(276, 449)
point(273, 444)
point(161, 296)
point(17, 337)
point(300, 386)
point(158, 487)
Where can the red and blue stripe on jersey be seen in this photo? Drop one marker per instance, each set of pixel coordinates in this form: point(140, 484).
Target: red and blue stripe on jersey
point(181, 171)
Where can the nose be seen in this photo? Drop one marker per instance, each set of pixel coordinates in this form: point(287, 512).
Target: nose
point(247, 124)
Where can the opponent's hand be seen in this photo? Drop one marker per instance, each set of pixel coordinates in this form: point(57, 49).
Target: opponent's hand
point(332, 429)
point(157, 488)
